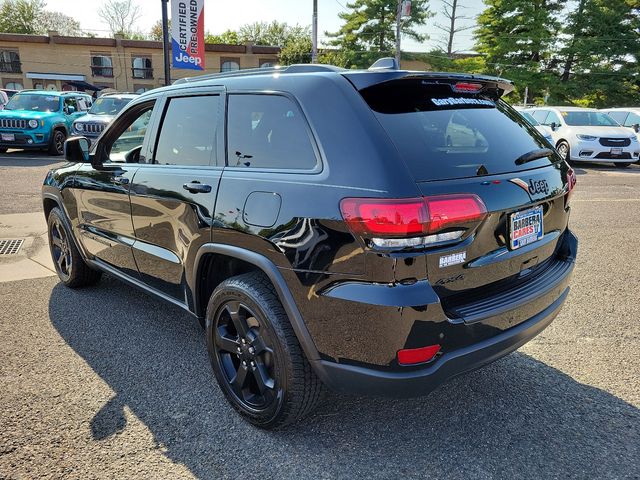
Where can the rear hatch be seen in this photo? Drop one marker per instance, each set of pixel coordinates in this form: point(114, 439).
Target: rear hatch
point(473, 155)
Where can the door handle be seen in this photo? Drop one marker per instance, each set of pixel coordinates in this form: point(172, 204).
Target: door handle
point(121, 180)
point(197, 187)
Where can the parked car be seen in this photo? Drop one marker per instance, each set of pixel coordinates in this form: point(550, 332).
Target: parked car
point(375, 231)
point(543, 130)
point(627, 117)
point(104, 109)
point(39, 119)
point(583, 134)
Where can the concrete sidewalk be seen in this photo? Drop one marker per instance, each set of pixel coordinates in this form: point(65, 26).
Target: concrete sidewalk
point(33, 260)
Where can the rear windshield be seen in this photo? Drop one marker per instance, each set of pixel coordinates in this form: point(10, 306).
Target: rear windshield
point(588, 119)
point(442, 135)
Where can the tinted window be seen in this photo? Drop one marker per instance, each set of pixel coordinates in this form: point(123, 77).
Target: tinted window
point(267, 131)
point(632, 120)
point(442, 135)
point(133, 130)
point(188, 132)
point(588, 119)
point(541, 115)
point(619, 117)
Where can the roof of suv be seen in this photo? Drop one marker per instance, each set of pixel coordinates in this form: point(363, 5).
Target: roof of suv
point(565, 109)
point(50, 93)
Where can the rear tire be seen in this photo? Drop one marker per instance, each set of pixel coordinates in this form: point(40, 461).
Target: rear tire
point(69, 264)
point(622, 164)
point(3, 149)
point(255, 354)
point(56, 145)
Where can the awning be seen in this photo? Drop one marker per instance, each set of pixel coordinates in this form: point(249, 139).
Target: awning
point(85, 86)
point(56, 76)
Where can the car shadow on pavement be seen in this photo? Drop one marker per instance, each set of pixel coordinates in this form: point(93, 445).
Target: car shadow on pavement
point(29, 159)
point(515, 418)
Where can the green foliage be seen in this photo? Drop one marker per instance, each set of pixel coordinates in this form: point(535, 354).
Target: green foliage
point(296, 50)
point(369, 29)
point(30, 17)
point(273, 34)
point(228, 36)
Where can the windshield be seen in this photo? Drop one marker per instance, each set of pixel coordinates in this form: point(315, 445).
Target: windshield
point(34, 103)
point(588, 119)
point(444, 135)
point(529, 118)
point(108, 105)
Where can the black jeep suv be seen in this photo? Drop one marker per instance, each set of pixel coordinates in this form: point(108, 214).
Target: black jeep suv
point(375, 231)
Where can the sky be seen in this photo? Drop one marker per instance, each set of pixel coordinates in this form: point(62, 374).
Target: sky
point(221, 15)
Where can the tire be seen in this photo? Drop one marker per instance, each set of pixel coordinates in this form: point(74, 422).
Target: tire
point(622, 164)
point(3, 149)
point(564, 150)
point(69, 264)
point(277, 386)
point(56, 145)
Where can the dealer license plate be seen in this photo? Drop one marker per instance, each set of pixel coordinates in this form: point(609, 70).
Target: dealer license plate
point(616, 151)
point(8, 137)
point(526, 227)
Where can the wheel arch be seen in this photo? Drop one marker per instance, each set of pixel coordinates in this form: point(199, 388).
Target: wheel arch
point(246, 260)
point(60, 126)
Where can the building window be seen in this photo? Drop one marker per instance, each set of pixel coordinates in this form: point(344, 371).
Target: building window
point(13, 86)
point(101, 66)
point(10, 61)
point(267, 62)
point(141, 67)
point(38, 86)
point(229, 64)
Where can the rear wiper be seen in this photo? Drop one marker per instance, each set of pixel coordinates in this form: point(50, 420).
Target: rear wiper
point(534, 155)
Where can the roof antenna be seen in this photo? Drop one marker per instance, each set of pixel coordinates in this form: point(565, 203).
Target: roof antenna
point(386, 63)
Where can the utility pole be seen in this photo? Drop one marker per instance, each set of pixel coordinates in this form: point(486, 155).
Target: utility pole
point(314, 33)
point(526, 95)
point(398, 24)
point(165, 43)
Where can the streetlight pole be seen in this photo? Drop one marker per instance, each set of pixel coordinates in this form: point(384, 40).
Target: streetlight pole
point(165, 43)
point(314, 33)
point(398, 22)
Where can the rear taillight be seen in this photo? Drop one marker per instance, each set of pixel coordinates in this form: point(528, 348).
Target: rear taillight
point(467, 87)
point(412, 222)
point(411, 356)
point(571, 183)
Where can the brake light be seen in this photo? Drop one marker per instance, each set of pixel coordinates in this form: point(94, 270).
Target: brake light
point(572, 179)
point(421, 221)
point(411, 356)
point(467, 87)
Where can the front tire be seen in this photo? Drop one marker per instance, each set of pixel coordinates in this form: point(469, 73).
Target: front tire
point(56, 145)
point(255, 354)
point(3, 149)
point(69, 264)
point(564, 150)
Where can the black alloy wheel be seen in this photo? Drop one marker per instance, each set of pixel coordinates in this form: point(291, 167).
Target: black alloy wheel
point(245, 356)
point(60, 250)
point(57, 143)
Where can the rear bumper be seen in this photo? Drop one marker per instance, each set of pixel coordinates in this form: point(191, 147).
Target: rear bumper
point(367, 381)
point(532, 307)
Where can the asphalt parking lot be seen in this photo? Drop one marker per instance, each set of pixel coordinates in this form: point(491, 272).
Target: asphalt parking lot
point(106, 382)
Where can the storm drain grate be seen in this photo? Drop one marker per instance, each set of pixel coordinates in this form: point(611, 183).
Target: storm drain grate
point(10, 247)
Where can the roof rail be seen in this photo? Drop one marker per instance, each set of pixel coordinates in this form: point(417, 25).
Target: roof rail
point(296, 68)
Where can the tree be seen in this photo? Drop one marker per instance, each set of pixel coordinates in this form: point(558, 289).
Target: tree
point(30, 16)
point(120, 16)
point(156, 31)
point(229, 37)
point(369, 28)
point(296, 50)
point(451, 11)
point(274, 34)
point(517, 38)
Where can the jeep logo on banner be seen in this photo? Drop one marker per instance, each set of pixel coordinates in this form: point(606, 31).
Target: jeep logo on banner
point(187, 34)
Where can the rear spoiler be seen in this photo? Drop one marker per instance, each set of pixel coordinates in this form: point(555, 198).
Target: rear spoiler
point(364, 79)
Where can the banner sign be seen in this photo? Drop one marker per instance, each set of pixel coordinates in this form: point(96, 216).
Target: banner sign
point(187, 34)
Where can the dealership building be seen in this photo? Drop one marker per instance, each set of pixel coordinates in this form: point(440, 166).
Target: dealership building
point(56, 62)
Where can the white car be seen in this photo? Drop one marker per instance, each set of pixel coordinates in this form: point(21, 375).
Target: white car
point(544, 131)
point(627, 117)
point(585, 134)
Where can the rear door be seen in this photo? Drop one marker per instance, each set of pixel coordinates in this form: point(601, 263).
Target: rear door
point(174, 190)
point(471, 143)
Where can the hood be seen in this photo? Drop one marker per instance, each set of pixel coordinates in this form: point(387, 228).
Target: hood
point(545, 131)
point(26, 114)
point(609, 132)
point(90, 118)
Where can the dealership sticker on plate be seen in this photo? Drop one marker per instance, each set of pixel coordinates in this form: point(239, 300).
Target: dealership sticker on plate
point(453, 259)
point(526, 227)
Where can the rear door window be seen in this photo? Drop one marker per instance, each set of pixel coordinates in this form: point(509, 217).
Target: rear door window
point(541, 116)
point(632, 119)
point(443, 135)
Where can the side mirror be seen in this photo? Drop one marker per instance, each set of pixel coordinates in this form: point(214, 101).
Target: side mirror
point(553, 126)
point(76, 150)
point(636, 127)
